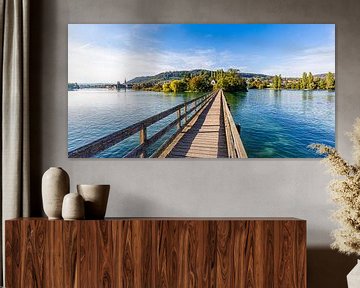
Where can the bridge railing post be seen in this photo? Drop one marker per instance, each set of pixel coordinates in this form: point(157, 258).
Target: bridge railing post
point(192, 107)
point(143, 138)
point(238, 127)
point(186, 114)
point(178, 113)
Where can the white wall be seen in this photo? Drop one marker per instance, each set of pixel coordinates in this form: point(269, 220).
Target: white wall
point(201, 187)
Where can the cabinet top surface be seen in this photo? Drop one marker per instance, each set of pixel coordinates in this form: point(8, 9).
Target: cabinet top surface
point(173, 219)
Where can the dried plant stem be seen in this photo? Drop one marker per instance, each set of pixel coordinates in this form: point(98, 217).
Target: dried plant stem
point(345, 192)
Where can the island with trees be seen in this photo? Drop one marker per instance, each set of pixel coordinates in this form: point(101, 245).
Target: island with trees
point(205, 80)
point(195, 81)
point(306, 82)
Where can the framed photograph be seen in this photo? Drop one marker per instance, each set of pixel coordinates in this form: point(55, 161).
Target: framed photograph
point(200, 90)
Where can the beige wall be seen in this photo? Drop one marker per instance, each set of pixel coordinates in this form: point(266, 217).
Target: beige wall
point(203, 187)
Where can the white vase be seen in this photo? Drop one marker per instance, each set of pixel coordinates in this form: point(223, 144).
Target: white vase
point(73, 207)
point(353, 278)
point(95, 197)
point(55, 185)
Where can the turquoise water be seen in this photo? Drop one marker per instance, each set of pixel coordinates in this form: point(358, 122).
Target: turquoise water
point(95, 113)
point(281, 124)
point(275, 124)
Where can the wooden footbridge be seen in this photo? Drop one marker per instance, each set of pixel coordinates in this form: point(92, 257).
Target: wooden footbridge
point(204, 129)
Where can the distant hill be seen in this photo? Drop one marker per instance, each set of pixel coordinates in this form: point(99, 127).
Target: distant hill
point(172, 75)
point(255, 75)
point(322, 75)
point(165, 76)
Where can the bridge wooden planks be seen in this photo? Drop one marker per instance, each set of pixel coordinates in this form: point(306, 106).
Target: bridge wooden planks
point(206, 137)
point(209, 132)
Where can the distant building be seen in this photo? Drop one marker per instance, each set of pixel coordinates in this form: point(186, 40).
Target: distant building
point(118, 85)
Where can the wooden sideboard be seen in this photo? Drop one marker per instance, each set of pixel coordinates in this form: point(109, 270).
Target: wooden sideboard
point(156, 252)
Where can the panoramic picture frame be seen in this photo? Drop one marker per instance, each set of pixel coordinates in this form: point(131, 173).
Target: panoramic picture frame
point(200, 90)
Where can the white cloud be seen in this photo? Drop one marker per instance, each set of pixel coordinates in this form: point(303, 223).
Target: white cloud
point(316, 60)
point(91, 63)
point(88, 63)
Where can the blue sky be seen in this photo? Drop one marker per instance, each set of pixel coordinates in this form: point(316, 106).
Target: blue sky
point(111, 52)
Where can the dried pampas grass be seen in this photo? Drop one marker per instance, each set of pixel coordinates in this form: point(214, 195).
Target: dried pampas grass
point(345, 192)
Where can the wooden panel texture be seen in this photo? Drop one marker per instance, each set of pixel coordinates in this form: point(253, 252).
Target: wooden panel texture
point(162, 252)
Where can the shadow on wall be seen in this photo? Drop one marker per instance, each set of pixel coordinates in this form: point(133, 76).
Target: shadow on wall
point(37, 12)
point(328, 268)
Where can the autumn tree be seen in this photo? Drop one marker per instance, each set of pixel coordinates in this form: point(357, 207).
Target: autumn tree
point(166, 87)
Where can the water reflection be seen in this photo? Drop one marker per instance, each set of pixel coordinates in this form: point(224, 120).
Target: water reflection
point(95, 113)
point(273, 123)
point(283, 123)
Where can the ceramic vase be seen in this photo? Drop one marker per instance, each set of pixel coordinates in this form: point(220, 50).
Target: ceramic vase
point(73, 207)
point(55, 185)
point(353, 278)
point(96, 198)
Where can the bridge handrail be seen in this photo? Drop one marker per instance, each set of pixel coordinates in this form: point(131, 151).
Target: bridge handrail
point(99, 145)
point(235, 146)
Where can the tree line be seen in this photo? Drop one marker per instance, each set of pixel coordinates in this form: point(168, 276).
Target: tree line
point(205, 81)
point(306, 82)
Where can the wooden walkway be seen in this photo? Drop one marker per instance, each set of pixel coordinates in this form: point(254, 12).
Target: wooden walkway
point(205, 128)
point(204, 137)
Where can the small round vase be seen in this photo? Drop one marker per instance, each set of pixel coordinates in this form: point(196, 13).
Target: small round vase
point(55, 185)
point(73, 207)
point(96, 198)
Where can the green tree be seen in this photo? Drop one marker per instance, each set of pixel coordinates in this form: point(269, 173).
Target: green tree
point(219, 74)
point(322, 84)
point(274, 82)
point(304, 81)
point(288, 84)
point(157, 87)
point(252, 84)
point(266, 83)
point(178, 86)
point(316, 83)
point(330, 81)
point(277, 82)
point(261, 85)
point(199, 83)
point(231, 81)
point(310, 81)
point(256, 83)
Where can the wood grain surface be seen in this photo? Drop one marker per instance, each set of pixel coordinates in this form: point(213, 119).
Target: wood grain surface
point(150, 252)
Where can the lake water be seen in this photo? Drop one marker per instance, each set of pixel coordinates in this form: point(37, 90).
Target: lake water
point(93, 114)
point(274, 124)
point(281, 124)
